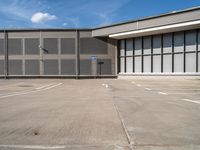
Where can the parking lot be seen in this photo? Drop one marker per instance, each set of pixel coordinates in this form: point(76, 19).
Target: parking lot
point(100, 114)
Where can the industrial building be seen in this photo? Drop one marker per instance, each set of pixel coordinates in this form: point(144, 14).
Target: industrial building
point(167, 44)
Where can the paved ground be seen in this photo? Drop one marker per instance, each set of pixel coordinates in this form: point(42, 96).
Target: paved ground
point(100, 114)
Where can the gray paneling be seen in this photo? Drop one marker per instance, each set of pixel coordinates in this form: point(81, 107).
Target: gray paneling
point(167, 63)
point(1, 67)
point(129, 64)
point(68, 67)
point(178, 63)
point(167, 43)
point(157, 63)
point(147, 64)
point(32, 67)
point(1, 46)
point(50, 67)
point(51, 45)
point(138, 64)
point(190, 41)
point(32, 46)
point(93, 46)
point(147, 45)
point(153, 22)
point(190, 62)
point(198, 62)
point(106, 68)
point(85, 67)
point(15, 46)
point(68, 46)
point(122, 69)
point(138, 46)
point(178, 42)
point(157, 44)
point(129, 47)
point(122, 47)
point(15, 67)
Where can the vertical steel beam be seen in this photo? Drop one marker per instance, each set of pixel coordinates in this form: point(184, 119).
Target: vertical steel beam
point(152, 53)
point(184, 52)
point(197, 50)
point(133, 40)
point(125, 56)
point(172, 52)
point(118, 57)
point(6, 72)
point(162, 53)
point(142, 55)
point(77, 54)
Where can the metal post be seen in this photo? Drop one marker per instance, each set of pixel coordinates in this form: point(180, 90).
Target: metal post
point(6, 72)
point(151, 53)
point(184, 52)
point(77, 54)
point(124, 56)
point(172, 52)
point(133, 55)
point(142, 54)
point(118, 57)
point(162, 53)
point(197, 50)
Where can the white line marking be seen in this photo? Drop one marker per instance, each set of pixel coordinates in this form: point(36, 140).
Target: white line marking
point(106, 85)
point(148, 89)
point(28, 92)
point(52, 86)
point(188, 100)
point(32, 147)
point(138, 85)
point(162, 93)
point(184, 93)
point(38, 88)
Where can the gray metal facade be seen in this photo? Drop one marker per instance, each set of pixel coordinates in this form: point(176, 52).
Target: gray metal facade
point(54, 53)
point(170, 53)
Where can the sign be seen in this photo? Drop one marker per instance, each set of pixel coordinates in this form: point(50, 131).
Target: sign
point(93, 57)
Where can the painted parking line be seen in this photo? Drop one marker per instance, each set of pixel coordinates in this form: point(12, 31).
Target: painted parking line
point(184, 93)
point(162, 93)
point(138, 85)
point(31, 91)
point(106, 85)
point(38, 88)
point(148, 89)
point(192, 101)
point(32, 147)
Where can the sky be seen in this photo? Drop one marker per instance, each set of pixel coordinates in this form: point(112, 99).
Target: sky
point(82, 13)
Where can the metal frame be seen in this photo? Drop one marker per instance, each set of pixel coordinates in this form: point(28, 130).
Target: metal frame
point(172, 53)
point(184, 51)
point(152, 38)
point(6, 72)
point(197, 50)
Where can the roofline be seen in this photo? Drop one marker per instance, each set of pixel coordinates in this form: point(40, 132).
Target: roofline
point(96, 28)
point(151, 17)
point(43, 29)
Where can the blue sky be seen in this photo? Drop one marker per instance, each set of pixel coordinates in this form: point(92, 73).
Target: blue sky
point(82, 13)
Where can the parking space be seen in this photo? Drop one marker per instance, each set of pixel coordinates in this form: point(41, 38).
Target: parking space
point(105, 114)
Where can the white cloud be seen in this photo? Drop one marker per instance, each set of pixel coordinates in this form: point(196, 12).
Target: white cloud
point(65, 24)
point(40, 17)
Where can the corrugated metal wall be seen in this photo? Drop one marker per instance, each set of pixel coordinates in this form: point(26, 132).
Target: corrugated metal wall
point(55, 53)
point(167, 53)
